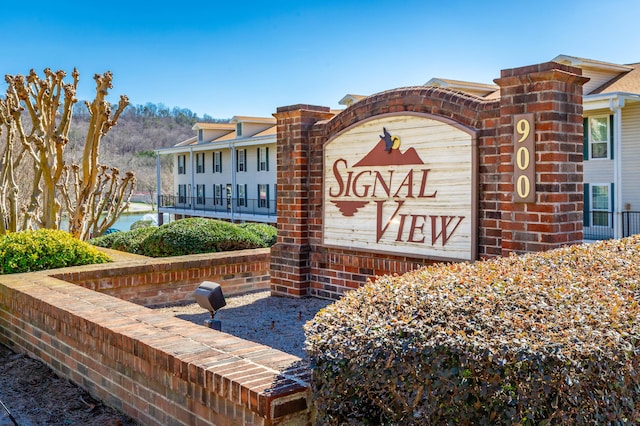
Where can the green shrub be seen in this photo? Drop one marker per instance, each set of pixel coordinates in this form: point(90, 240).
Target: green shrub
point(141, 224)
point(267, 233)
point(29, 251)
point(197, 235)
point(189, 236)
point(130, 241)
point(545, 338)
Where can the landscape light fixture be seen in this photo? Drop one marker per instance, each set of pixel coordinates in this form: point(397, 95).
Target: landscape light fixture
point(209, 296)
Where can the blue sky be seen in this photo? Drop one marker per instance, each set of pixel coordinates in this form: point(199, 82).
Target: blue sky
point(248, 58)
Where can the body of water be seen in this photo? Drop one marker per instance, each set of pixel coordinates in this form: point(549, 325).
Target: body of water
point(125, 220)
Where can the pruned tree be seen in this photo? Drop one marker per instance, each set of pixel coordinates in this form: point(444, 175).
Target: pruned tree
point(35, 117)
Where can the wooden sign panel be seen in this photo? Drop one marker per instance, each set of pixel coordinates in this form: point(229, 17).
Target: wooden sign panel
point(401, 184)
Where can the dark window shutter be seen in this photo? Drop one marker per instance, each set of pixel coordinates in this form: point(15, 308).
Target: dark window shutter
point(245, 193)
point(611, 136)
point(267, 187)
point(246, 165)
point(220, 154)
point(587, 213)
point(266, 154)
point(613, 202)
point(585, 138)
point(258, 157)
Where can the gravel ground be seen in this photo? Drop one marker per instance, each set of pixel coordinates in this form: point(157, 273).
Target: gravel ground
point(36, 396)
point(273, 321)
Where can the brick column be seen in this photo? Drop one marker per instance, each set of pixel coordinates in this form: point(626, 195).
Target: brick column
point(553, 93)
point(290, 255)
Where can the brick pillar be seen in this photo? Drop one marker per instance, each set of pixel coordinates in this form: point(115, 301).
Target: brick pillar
point(290, 255)
point(553, 93)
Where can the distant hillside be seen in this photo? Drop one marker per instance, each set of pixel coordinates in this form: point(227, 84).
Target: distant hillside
point(130, 144)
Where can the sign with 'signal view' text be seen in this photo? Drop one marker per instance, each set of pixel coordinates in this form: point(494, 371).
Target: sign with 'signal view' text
point(401, 184)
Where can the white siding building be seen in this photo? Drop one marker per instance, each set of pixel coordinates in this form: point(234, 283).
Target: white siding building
point(611, 147)
point(227, 171)
point(611, 109)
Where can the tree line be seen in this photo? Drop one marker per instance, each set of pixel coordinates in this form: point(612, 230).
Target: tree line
point(141, 129)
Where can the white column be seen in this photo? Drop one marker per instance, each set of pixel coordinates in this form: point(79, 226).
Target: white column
point(616, 105)
point(192, 180)
point(233, 178)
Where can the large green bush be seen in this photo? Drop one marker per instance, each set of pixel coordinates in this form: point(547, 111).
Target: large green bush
point(189, 236)
point(546, 338)
point(267, 233)
point(29, 251)
point(130, 242)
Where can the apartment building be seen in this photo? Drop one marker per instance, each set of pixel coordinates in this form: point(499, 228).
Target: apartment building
point(226, 171)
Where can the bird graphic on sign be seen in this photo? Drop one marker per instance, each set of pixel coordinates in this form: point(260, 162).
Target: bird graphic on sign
point(390, 142)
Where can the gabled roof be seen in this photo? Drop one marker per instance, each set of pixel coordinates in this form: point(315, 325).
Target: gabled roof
point(266, 132)
point(628, 82)
point(606, 77)
point(478, 89)
point(590, 63)
point(213, 126)
point(186, 142)
point(350, 99)
point(248, 119)
point(259, 127)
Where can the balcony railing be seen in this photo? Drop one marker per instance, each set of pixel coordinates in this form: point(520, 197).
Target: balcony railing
point(601, 225)
point(225, 206)
point(630, 223)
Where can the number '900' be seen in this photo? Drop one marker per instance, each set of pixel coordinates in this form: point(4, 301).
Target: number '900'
point(524, 172)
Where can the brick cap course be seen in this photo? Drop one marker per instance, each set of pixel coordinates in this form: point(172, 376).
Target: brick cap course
point(304, 107)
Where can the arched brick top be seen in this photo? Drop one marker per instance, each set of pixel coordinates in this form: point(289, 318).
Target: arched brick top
point(466, 109)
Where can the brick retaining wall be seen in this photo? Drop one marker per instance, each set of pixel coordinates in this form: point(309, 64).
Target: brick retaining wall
point(147, 281)
point(156, 369)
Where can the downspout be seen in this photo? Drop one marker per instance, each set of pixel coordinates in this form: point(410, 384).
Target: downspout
point(232, 148)
point(158, 186)
point(192, 179)
point(615, 105)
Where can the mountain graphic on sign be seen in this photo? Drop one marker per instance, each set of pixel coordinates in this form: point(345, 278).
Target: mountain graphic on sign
point(379, 156)
point(385, 153)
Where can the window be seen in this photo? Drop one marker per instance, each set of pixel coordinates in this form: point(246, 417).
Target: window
point(263, 159)
point(241, 190)
point(599, 136)
point(238, 130)
point(200, 162)
point(182, 164)
point(217, 162)
point(200, 194)
point(263, 195)
point(200, 135)
point(600, 202)
point(229, 195)
point(217, 195)
point(241, 160)
point(182, 194)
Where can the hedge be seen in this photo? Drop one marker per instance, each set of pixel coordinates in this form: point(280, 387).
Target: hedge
point(545, 338)
point(29, 251)
point(189, 236)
